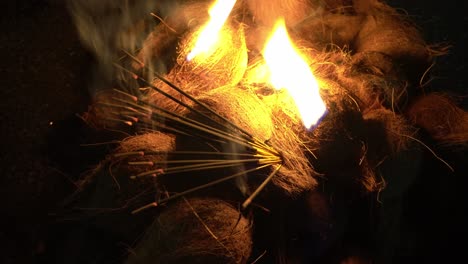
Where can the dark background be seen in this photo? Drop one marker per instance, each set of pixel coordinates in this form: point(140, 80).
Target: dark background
point(43, 80)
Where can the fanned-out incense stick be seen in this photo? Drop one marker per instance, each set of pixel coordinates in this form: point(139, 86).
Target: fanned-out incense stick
point(208, 128)
point(260, 188)
point(201, 166)
point(173, 86)
point(162, 116)
point(200, 187)
point(195, 125)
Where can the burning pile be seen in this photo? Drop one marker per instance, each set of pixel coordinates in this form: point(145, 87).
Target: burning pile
point(225, 121)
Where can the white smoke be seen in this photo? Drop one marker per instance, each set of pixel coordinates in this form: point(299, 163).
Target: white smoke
point(109, 27)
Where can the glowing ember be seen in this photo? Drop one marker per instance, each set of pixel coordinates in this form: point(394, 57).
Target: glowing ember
point(290, 71)
point(219, 12)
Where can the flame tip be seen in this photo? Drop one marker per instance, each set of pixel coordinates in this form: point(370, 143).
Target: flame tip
point(209, 34)
point(289, 70)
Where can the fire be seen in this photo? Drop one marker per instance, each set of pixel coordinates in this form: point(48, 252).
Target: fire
point(208, 37)
point(289, 70)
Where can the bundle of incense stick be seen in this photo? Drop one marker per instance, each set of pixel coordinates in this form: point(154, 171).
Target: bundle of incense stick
point(214, 128)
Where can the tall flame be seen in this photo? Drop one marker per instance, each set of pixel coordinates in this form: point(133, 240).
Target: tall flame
point(208, 37)
point(289, 70)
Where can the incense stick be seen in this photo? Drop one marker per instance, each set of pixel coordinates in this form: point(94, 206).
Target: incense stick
point(262, 154)
point(260, 188)
point(202, 127)
point(176, 117)
point(200, 187)
point(191, 98)
point(200, 166)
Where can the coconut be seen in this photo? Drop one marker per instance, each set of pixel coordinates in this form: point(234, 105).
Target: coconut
point(198, 230)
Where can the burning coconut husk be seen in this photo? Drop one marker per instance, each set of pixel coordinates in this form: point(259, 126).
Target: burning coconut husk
point(236, 132)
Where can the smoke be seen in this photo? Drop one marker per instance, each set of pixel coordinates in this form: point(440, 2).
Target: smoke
point(109, 28)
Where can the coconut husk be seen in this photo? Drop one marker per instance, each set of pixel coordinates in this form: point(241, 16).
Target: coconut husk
point(292, 11)
point(296, 174)
point(369, 26)
point(144, 146)
point(225, 66)
point(196, 231)
point(102, 114)
point(176, 19)
point(112, 177)
point(242, 108)
point(388, 32)
point(441, 118)
point(107, 194)
point(258, 117)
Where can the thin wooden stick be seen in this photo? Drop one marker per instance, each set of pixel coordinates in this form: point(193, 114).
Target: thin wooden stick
point(178, 152)
point(200, 161)
point(153, 204)
point(129, 123)
point(188, 120)
point(143, 163)
point(132, 153)
point(173, 86)
point(130, 109)
point(162, 92)
point(132, 97)
point(204, 128)
point(208, 153)
point(200, 103)
point(134, 58)
point(200, 166)
point(149, 111)
point(260, 188)
point(145, 124)
point(200, 187)
point(162, 126)
point(194, 124)
point(253, 140)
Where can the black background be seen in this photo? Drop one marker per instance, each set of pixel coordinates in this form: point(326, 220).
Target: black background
point(43, 81)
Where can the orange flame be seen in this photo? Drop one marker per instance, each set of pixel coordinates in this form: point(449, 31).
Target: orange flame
point(289, 70)
point(208, 37)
